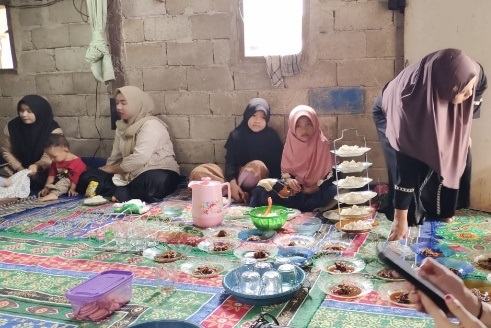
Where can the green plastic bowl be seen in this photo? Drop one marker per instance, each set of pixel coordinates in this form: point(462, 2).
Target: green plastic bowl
point(275, 220)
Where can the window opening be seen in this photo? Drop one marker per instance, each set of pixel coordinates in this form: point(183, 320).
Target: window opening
point(6, 44)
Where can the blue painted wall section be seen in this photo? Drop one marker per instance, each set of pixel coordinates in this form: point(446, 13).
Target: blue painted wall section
point(337, 100)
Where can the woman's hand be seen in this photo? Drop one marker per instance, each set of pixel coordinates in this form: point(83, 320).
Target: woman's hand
point(238, 194)
point(399, 228)
point(448, 282)
point(466, 319)
point(294, 185)
point(33, 168)
point(43, 192)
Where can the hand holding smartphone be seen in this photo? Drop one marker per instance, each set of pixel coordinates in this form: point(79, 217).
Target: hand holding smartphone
point(404, 269)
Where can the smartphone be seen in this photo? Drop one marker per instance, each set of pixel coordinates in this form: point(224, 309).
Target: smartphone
point(404, 269)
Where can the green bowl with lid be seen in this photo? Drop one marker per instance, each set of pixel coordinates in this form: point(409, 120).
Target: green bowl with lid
point(275, 219)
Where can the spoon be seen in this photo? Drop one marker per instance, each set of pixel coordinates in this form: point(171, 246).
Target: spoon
point(270, 203)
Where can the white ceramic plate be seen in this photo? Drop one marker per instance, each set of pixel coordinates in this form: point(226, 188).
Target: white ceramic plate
point(328, 284)
point(214, 232)
point(250, 249)
point(374, 269)
point(388, 292)
point(327, 263)
point(350, 153)
point(355, 197)
point(352, 169)
point(218, 264)
point(359, 183)
point(333, 246)
point(294, 240)
point(371, 249)
point(218, 245)
point(96, 200)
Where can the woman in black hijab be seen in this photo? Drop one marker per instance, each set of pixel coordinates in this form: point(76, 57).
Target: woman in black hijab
point(24, 138)
point(253, 153)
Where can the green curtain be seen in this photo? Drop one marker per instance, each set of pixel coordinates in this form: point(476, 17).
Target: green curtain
point(98, 53)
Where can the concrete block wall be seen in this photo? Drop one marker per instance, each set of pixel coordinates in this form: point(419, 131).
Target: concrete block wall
point(185, 53)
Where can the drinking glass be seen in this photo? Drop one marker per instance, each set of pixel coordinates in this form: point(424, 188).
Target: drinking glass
point(282, 260)
point(167, 276)
point(288, 276)
point(250, 283)
point(271, 283)
point(262, 267)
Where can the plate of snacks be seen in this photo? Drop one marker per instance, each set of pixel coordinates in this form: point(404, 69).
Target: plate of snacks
point(352, 182)
point(460, 268)
point(352, 166)
point(396, 293)
point(356, 225)
point(432, 249)
point(206, 267)
point(349, 151)
point(256, 235)
point(218, 245)
point(237, 212)
point(355, 197)
point(220, 232)
point(380, 271)
point(371, 250)
point(260, 252)
point(336, 264)
point(293, 240)
point(333, 246)
point(351, 212)
point(345, 287)
point(481, 259)
point(167, 252)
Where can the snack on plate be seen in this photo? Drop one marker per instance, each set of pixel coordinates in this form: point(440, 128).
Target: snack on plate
point(166, 256)
point(205, 270)
point(457, 272)
point(389, 274)
point(354, 210)
point(253, 238)
point(350, 164)
point(348, 149)
point(400, 297)
point(346, 289)
point(351, 181)
point(335, 248)
point(221, 247)
point(431, 253)
point(485, 263)
point(260, 255)
point(222, 233)
point(353, 197)
point(358, 225)
point(341, 267)
point(484, 296)
point(291, 243)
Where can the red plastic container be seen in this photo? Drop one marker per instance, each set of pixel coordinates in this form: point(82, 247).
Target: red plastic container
point(101, 295)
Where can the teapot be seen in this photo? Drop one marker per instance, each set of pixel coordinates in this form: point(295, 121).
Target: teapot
point(208, 202)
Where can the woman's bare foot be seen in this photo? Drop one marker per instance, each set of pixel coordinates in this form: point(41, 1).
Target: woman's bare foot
point(48, 197)
point(447, 220)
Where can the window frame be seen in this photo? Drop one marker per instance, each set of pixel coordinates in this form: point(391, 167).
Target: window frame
point(260, 59)
point(6, 3)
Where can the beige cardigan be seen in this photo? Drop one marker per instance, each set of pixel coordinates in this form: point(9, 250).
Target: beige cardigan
point(14, 165)
point(153, 150)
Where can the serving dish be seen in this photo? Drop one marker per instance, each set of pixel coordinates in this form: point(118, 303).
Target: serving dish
point(256, 235)
point(300, 256)
point(355, 197)
point(352, 166)
point(331, 286)
point(391, 291)
point(294, 240)
point(460, 268)
point(273, 221)
point(192, 266)
point(365, 226)
point(328, 263)
point(218, 245)
point(259, 251)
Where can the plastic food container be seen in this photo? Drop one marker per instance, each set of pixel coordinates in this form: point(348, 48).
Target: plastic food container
point(101, 295)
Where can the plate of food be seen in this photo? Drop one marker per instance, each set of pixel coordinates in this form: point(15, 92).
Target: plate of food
point(237, 212)
point(481, 259)
point(349, 151)
point(300, 256)
point(220, 232)
point(166, 253)
point(396, 293)
point(370, 250)
point(355, 197)
point(345, 287)
point(333, 246)
point(352, 166)
point(96, 200)
point(293, 240)
point(206, 267)
point(350, 212)
point(352, 182)
point(480, 288)
point(356, 225)
point(260, 252)
point(218, 245)
point(256, 235)
point(460, 268)
point(432, 248)
point(380, 271)
point(336, 264)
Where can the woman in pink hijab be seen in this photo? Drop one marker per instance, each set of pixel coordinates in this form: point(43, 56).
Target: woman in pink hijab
point(423, 120)
point(306, 165)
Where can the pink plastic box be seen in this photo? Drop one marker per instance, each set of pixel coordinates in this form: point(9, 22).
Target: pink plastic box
point(101, 295)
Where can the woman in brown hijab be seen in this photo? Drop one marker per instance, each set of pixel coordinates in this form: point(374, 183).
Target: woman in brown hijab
point(423, 120)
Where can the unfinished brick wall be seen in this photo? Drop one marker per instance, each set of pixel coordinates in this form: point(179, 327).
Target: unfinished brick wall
point(185, 53)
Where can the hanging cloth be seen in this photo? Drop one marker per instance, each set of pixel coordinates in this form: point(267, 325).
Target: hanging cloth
point(281, 66)
point(98, 52)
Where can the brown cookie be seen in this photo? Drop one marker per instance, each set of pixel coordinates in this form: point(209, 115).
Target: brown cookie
point(98, 315)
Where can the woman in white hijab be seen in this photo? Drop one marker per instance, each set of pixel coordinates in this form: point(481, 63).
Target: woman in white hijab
point(142, 164)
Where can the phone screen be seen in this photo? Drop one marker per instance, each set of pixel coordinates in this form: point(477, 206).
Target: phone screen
point(404, 268)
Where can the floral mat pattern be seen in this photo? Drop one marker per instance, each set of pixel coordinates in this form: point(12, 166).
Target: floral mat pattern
point(45, 250)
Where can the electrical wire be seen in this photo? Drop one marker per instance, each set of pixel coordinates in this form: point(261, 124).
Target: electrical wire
point(33, 6)
point(85, 17)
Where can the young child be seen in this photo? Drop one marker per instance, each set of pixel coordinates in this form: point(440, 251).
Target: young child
point(4, 182)
point(65, 169)
point(253, 153)
point(306, 165)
